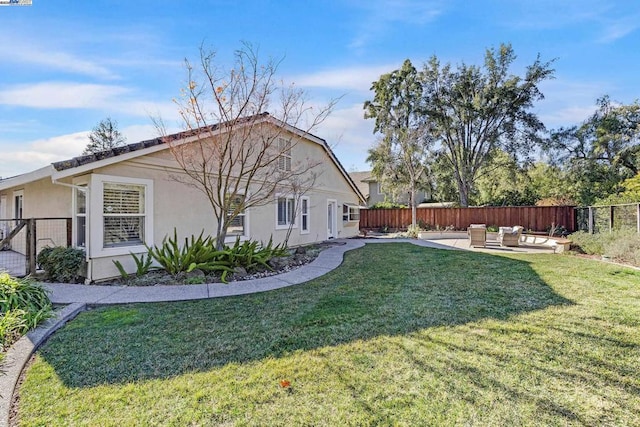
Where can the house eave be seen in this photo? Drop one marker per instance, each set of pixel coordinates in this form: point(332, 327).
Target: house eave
point(27, 178)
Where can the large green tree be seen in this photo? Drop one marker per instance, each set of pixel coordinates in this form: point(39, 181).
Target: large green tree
point(400, 157)
point(472, 111)
point(601, 152)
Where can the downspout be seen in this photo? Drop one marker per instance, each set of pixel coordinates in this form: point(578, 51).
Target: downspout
point(87, 235)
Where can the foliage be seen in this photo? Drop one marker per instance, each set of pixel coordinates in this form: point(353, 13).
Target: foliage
point(601, 152)
point(413, 230)
point(23, 305)
point(143, 265)
point(630, 193)
point(201, 253)
point(620, 245)
point(397, 335)
point(198, 252)
point(503, 182)
point(476, 110)
point(104, 136)
point(387, 205)
point(400, 158)
point(241, 155)
point(62, 264)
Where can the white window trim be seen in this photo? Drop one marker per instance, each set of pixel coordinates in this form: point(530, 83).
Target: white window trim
point(96, 232)
point(285, 226)
point(245, 236)
point(285, 154)
point(74, 210)
point(14, 214)
point(350, 207)
point(308, 214)
point(379, 188)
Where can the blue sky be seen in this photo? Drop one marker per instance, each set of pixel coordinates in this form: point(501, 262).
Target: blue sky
point(65, 65)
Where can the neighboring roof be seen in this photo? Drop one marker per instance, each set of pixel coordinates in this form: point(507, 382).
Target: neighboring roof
point(361, 179)
point(103, 158)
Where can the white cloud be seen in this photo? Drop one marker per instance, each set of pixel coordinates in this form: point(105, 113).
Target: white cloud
point(54, 95)
point(17, 159)
point(567, 102)
point(378, 15)
point(358, 79)
point(53, 59)
point(61, 95)
point(26, 157)
point(349, 135)
point(620, 28)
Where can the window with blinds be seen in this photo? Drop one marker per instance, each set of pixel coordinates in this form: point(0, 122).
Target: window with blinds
point(236, 227)
point(284, 159)
point(123, 214)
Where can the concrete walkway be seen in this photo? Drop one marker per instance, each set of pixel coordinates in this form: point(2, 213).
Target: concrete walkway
point(327, 260)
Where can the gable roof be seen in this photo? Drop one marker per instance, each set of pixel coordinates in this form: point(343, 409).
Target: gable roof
point(361, 179)
point(85, 163)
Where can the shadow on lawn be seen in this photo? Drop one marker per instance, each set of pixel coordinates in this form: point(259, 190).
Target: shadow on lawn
point(380, 290)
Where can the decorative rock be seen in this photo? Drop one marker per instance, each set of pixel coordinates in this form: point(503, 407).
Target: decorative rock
point(195, 273)
point(278, 262)
point(239, 272)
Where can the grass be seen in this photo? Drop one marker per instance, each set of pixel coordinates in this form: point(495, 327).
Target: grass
point(398, 335)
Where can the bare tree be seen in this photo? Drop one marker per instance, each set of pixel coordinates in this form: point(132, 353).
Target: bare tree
point(238, 155)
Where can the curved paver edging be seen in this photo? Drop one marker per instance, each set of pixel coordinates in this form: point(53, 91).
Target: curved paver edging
point(20, 352)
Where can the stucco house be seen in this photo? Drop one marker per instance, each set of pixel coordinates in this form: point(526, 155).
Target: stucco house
point(370, 187)
point(121, 199)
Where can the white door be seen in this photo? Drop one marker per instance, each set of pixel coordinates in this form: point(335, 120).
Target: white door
point(331, 219)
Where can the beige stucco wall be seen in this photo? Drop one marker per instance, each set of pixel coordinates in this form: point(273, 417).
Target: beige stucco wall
point(41, 199)
point(177, 204)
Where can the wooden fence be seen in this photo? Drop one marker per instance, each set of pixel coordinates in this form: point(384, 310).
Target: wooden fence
point(535, 218)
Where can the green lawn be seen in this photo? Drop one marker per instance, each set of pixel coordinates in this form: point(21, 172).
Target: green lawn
point(398, 335)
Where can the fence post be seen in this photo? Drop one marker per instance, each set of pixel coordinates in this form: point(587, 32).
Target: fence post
point(590, 220)
point(69, 222)
point(610, 218)
point(638, 217)
point(31, 246)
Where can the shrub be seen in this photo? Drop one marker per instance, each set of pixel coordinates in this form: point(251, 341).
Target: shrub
point(620, 245)
point(23, 305)
point(143, 265)
point(62, 264)
point(413, 230)
point(200, 253)
point(387, 205)
point(195, 253)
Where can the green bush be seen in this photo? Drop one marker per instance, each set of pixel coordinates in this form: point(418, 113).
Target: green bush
point(23, 305)
point(387, 205)
point(195, 253)
point(413, 230)
point(62, 264)
point(200, 253)
point(620, 245)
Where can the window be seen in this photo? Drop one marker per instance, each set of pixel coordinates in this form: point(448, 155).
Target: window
point(123, 214)
point(284, 157)
point(237, 225)
point(350, 213)
point(380, 188)
point(304, 215)
point(80, 217)
point(18, 198)
point(285, 211)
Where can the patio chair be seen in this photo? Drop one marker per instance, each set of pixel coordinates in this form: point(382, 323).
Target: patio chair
point(477, 235)
point(510, 236)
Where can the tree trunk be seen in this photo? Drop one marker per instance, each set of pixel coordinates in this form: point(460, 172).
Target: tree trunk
point(413, 206)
